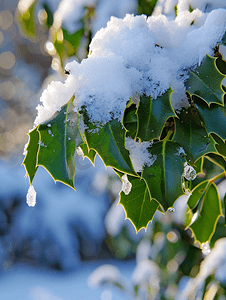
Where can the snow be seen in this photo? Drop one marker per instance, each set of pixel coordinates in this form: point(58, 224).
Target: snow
point(126, 185)
point(139, 154)
point(136, 55)
point(103, 274)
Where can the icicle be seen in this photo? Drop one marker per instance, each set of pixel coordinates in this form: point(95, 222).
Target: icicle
point(189, 172)
point(206, 248)
point(31, 196)
point(126, 185)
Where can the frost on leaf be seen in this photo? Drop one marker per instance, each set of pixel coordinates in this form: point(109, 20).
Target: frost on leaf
point(31, 196)
point(189, 172)
point(126, 185)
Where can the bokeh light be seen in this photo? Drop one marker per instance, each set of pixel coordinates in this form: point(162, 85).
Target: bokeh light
point(7, 60)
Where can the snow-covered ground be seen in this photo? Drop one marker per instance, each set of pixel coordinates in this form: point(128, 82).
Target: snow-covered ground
point(23, 282)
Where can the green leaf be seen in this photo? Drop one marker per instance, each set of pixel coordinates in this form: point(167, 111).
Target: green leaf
point(192, 136)
point(138, 205)
point(130, 121)
point(217, 159)
point(204, 226)
point(89, 153)
point(59, 139)
point(206, 82)
point(198, 166)
point(26, 21)
point(109, 142)
point(73, 39)
point(49, 20)
point(152, 115)
point(224, 203)
point(30, 160)
point(197, 193)
point(221, 145)
point(163, 177)
point(213, 117)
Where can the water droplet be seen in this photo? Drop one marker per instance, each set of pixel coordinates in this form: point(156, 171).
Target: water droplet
point(31, 196)
point(49, 125)
point(206, 248)
point(171, 209)
point(189, 172)
point(49, 131)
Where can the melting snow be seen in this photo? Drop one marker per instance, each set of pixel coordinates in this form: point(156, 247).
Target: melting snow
point(31, 196)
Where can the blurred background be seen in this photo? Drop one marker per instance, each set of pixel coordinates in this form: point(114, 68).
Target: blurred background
point(77, 245)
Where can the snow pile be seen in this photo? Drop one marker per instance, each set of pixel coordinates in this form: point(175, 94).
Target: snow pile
point(136, 55)
point(104, 274)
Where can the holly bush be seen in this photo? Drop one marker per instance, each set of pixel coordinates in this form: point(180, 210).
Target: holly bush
point(178, 142)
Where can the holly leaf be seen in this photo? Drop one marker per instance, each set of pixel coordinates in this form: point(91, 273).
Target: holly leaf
point(152, 115)
point(204, 226)
point(130, 121)
point(198, 166)
point(164, 176)
point(72, 41)
point(109, 142)
point(140, 208)
point(30, 160)
point(217, 159)
point(196, 194)
point(206, 82)
point(89, 153)
point(192, 136)
point(213, 117)
point(59, 139)
point(221, 145)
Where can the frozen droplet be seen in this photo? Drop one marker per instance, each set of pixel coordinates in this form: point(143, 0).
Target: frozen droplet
point(31, 196)
point(189, 172)
point(69, 138)
point(80, 151)
point(49, 131)
point(171, 209)
point(49, 125)
point(206, 248)
point(126, 185)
